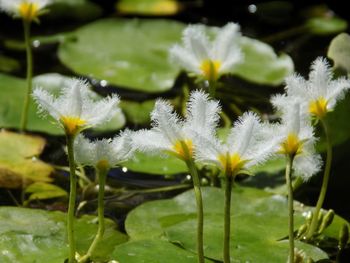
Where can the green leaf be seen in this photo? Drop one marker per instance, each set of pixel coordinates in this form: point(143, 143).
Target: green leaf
point(339, 51)
point(8, 64)
point(32, 235)
point(12, 93)
point(259, 221)
point(155, 251)
point(42, 191)
point(148, 7)
point(18, 163)
point(261, 65)
point(154, 164)
point(326, 25)
point(111, 50)
point(136, 112)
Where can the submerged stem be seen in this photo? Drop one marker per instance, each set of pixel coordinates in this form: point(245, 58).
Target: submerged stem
point(227, 219)
point(72, 197)
point(197, 190)
point(212, 88)
point(322, 195)
point(24, 116)
point(290, 207)
point(101, 174)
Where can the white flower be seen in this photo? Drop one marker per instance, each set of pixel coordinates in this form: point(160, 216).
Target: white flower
point(75, 109)
point(208, 59)
point(170, 134)
point(320, 93)
point(249, 143)
point(105, 153)
point(296, 136)
point(26, 9)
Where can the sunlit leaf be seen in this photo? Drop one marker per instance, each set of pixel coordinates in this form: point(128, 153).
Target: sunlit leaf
point(339, 51)
point(18, 163)
point(326, 25)
point(148, 7)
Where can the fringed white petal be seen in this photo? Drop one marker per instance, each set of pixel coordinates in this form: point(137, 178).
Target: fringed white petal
point(307, 165)
point(84, 150)
point(151, 142)
point(202, 114)
point(196, 42)
point(185, 59)
point(46, 103)
point(336, 91)
point(320, 77)
point(166, 121)
point(297, 87)
point(123, 147)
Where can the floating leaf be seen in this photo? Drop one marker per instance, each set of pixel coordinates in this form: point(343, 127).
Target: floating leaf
point(110, 50)
point(18, 165)
point(148, 7)
point(161, 165)
point(326, 25)
point(138, 112)
point(259, 221)
point(260, 57)
point(155, 251)
point(339, 51)
point(42, 191)
point(12, 93)
point(32, 235)
point(8, 64)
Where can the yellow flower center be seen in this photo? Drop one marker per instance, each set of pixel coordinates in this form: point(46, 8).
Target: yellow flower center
point(184, 148)
point(103, 165)
point(318, 107)
point(72, 124)
point(28, 10)
point(210, 69)
point(232, 163)
point(292, 145)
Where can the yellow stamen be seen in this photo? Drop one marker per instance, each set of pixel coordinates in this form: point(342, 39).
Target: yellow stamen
point(72, 124)
point(103, 165)
point(184, 148)
point(210, 69)
point(318, 107)
point(28, 11)
point(292, 145)
point(232, 163)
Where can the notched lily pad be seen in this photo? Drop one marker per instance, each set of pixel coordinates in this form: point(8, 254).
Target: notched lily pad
point(18, 163)
point(32, 235)
point(138, 112)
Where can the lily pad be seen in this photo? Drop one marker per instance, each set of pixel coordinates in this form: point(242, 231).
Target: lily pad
point(339, 51)
point(138, 112)
point(155, 251)
point(260, 57)
point(259, 222)
point(161, 165)
point(12, 93)
point(326, 25)
point(148, 7)
point(32, 235)
point(18, 163)
point(8, 64)
point(128, 53)
point(42, 191)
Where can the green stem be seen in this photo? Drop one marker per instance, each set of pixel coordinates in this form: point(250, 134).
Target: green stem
point(72, 197)
point(24, 116)
point(101, 174)
point(290, 207)
point(212, 88)
point(197, 190)
point(322, 195)
point(227, 222)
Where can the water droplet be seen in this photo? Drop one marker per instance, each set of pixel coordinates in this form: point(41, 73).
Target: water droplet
point(124, 169)
point(252, 9)
point(103, 83)
point(36, 43)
